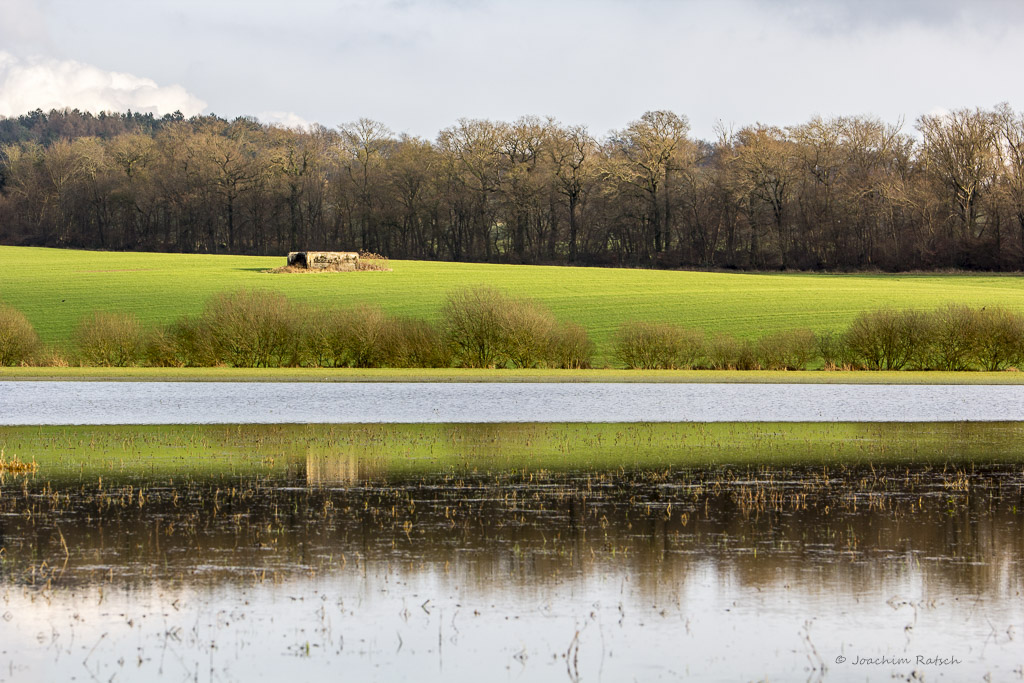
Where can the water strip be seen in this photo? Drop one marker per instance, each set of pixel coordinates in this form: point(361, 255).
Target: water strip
point(96, 403)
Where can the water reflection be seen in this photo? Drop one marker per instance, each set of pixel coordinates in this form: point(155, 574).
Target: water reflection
point(339, 468)
point(720, 572)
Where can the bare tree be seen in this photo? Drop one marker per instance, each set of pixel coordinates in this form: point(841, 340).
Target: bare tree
point(959, 151)
point(644, 155)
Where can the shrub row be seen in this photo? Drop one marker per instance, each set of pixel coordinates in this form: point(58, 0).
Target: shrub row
point(664, 346)
point(484, 328)
point(488, 329)
point(954, 337)
point(265, 329)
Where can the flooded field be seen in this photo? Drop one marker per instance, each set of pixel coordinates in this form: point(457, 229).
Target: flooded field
point(512, 552)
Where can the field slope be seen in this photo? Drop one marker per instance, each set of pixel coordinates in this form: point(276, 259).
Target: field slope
point(55, 287)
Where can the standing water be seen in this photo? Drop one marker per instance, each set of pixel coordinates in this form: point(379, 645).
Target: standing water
point(487, 552)
point(397, 402)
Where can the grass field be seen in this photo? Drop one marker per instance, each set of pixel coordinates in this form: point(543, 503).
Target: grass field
point(54, 288)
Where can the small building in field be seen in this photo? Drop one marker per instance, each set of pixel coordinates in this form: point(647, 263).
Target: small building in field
point(319, 260)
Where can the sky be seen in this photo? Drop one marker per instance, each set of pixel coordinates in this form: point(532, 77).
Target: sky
point(420, 65)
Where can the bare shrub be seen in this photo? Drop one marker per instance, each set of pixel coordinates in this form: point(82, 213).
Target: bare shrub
point(253, 328)
point(525, 333)
point(570, 347)
point(790, 350)
point(889, 340)
point(18, 339)
point(747, 358)
point(723, 352)
point(771, 352)
point(471, 321)
point(873, 339)
point(917, 331)
point(158, 349)
point(726, 352)
point(185, 343)
point(486, 328)
point(835, 353)
point(474, 323)
point(109, 339)
point(366, 337)
point(651, 346)
point(348, 338)
point(319, 346)
point(415, 343)
point(361, 337)
point(1000, 342)
point(954, 338)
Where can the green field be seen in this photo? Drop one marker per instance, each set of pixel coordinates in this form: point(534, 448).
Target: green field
point(380, 451)
point(55, 287)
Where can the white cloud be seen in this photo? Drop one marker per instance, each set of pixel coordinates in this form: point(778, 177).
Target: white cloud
point(285, 119)
point(420, 65)
point(42, 83)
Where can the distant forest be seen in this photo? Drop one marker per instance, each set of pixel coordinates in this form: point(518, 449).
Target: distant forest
point(847, 193)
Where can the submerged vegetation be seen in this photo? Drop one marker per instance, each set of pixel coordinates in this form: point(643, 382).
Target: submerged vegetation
point(366, 491)
point(15, 466)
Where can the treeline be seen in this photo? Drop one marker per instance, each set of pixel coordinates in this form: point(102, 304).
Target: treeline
point(484, 328)
point(839, 193)
point(69, 124)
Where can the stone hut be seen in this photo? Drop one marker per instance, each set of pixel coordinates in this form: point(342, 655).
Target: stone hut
point(318, 260)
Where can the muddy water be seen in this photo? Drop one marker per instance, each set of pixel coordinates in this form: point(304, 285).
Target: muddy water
point(68, 403)
point(327, 569)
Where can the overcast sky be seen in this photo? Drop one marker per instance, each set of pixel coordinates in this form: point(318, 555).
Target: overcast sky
point(419, 65)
